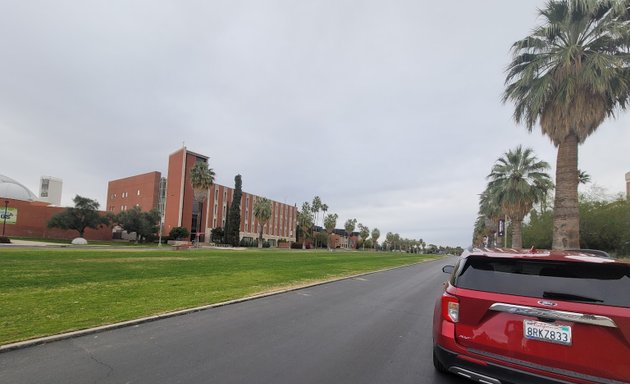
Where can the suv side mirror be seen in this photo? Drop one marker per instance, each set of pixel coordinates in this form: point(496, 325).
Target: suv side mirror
point(448, 269)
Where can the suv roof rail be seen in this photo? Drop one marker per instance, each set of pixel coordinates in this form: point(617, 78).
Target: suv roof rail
point(594, 252)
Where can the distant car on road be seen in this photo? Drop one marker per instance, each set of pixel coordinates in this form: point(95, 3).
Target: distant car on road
point(533, 316)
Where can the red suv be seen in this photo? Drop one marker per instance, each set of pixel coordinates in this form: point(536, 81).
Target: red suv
point(533, 316)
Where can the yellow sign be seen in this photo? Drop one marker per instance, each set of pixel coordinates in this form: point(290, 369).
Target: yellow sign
point(8, 214)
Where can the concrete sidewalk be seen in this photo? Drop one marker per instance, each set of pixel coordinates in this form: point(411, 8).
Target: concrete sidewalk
point(31, 243)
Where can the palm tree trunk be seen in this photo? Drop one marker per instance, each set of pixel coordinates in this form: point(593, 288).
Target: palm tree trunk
point(517, 233)
point(566, 215)
point(200, 209)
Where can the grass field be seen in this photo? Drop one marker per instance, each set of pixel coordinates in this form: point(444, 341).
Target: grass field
point(49, 291)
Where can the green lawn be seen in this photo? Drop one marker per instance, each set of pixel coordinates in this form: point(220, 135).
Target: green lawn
point(49, 291)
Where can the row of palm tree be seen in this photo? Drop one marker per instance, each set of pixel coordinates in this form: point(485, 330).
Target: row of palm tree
point(202, 178)
point(308, 218)
point(568, 76)
point(393, 241)
point(517, 181)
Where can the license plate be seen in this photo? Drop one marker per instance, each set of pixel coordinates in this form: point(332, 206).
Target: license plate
point(537, 330)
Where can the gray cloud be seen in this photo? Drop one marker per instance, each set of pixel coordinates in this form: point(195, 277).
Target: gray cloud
point(390, 111)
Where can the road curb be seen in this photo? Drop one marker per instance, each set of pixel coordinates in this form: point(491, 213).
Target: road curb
point(108, 327)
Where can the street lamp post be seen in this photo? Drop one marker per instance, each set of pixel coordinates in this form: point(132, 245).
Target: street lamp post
point(6, 207)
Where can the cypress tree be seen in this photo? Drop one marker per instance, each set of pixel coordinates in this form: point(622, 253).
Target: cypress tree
point(226, 228)
point(234, 217)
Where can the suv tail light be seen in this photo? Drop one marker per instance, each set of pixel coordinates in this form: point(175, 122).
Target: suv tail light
point(450, 308)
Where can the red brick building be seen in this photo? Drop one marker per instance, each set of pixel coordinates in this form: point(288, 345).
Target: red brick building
point(141, 190)
point(180, 209)
point(24, 216)
point(281, 225)
point(31, 220)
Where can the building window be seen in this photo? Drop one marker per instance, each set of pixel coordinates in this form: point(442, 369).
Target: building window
point(138, 194)
point(216, 194)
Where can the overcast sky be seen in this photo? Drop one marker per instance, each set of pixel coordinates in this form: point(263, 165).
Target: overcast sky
point(390, 111)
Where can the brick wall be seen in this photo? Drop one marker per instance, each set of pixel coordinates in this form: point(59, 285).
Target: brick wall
point(141, 190)
point(32, 221)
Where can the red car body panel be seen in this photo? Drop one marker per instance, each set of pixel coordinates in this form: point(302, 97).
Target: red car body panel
point(484, 337)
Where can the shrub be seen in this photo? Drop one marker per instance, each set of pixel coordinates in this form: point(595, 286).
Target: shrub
point(5, 240)
point(247, 242)
point(296, 246)
point(266, 244)
point(179, 233)
point(216, 235)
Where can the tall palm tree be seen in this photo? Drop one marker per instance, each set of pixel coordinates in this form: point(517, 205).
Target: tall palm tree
point(569, 75)
point(305, 222)
point(489, 213)
point(262, 213)
point(201, 178)
point(375, 235)
point(517, 181)
point(479, 229)
point(583, 177)
point(364, 233)
point(316, 205)
point(389, 239)
point(349, 227)
point(330, 222)
point(397, 242)
point(324, 209)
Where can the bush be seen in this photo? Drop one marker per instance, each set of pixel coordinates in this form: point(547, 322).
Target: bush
point(296, 246)
point(179, 233)
point(266, 244)
point(247, 242)
point(216, 235)
point(5, 240)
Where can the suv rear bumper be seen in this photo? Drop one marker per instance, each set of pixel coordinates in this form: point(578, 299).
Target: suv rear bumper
point(489, 373)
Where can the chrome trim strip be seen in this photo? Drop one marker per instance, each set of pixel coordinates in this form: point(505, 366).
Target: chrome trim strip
point(474, 376)
point(554, 314)
point(563, 372)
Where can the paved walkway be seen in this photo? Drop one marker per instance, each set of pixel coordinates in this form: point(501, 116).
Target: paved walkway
point(30, 243)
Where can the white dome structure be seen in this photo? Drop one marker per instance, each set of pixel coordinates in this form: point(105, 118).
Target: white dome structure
point(11, 189)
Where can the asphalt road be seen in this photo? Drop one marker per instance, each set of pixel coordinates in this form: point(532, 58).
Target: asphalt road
point(371, 329)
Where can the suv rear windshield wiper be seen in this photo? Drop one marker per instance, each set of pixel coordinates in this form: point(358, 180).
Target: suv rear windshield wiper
point(570, 297)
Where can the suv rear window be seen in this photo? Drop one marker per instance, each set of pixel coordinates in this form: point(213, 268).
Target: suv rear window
point(598, 283)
